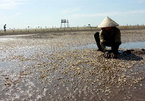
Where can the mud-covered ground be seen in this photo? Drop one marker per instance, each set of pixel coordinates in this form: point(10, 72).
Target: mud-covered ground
point(61, 67)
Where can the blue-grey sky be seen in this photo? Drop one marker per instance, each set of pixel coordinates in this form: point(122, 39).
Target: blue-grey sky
point(33, 13)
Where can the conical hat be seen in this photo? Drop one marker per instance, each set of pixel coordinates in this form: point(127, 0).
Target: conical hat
point(108, 22)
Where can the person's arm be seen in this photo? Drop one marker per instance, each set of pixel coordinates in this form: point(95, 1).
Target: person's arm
point(102, 40)
point(118, 36)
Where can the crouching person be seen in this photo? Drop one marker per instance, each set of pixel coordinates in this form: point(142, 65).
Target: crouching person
point(108, 36)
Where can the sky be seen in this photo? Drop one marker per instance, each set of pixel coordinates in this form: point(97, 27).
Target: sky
point(48, 13)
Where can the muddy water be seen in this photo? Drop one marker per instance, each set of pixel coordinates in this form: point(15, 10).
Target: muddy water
point(68, 68)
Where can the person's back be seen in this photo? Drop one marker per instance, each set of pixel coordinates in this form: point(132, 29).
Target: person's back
point(110, 36)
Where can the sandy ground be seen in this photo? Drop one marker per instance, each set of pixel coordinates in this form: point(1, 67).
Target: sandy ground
point(60, 67)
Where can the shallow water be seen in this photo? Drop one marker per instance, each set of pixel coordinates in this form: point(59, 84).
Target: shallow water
point(25, 52)
point(6, 39)
point(132, 45)
point(127, 45)
point(24, 66)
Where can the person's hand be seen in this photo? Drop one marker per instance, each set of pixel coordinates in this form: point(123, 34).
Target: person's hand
point(107, 54)
point(110, 55)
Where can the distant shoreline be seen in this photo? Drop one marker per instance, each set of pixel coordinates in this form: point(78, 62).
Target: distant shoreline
point(62, 30)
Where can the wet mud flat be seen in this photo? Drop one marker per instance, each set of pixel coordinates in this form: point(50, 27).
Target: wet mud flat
point(60, 69)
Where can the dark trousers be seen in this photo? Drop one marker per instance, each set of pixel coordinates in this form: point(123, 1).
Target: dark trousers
point(4, 29)
point(97, 39)
point(101, 47)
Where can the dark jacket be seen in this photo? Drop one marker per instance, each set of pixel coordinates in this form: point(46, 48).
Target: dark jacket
point(110, 36)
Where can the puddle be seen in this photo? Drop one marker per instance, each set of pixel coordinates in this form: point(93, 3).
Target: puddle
point(129, 45)
point(6, 39)
point(133, 45)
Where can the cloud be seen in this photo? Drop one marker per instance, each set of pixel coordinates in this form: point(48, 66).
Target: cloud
point(109, 14)
point(135, 12)
point(140, 1)
point(9, 4)
point(71, 10)
point(11, 18)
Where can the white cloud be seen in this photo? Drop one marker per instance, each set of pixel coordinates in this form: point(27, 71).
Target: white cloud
point(9, 4)
point(108, 14)
point(70, 10)
point(135, 12)
point(141, 1)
